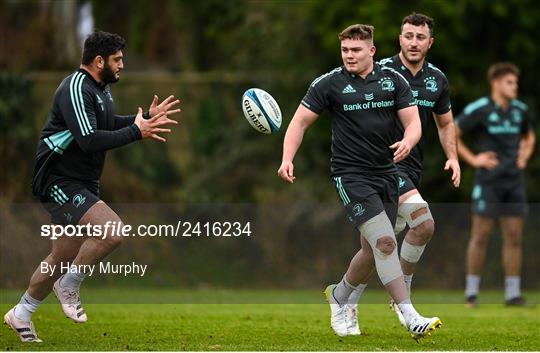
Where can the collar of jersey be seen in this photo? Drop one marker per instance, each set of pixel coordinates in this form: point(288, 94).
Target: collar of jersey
point(372, 76)
point(420, 73)
point(100, 85)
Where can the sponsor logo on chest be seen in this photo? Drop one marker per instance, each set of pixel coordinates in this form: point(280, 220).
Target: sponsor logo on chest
point(365, 100)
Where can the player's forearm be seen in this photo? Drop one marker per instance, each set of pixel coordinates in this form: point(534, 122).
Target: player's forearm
point(447, 136)
point(121, 121)
point(293, 139)
point(527, 145)
point(102, 140)
point(413, 132)
point(465, 153)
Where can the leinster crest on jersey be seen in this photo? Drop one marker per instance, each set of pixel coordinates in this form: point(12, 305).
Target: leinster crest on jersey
point(387, 84)
point(431, 84)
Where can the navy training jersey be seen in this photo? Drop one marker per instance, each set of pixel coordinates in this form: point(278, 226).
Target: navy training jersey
point(431, 90)
point(497, 130)
point(80, 127)
point(363, 115)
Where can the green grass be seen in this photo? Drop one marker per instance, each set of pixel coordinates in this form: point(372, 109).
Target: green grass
point(276, 327)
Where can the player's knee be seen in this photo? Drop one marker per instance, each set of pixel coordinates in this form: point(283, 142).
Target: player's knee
point(56, 257)
point(386, 244)
point(480, 239)
point(423, 232)
point(512, 238)
point(112, 240)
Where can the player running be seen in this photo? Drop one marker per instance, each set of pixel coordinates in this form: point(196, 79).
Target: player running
point(430, 88)
point(505, 142)
point(80, 128)
point(365, 102)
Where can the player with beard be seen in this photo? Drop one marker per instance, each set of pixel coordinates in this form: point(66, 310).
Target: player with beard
point(81, 126)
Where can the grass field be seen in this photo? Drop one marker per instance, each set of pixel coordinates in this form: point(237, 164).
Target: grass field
point(276, 327)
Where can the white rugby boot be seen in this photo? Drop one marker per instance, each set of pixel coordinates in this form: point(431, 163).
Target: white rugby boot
point(70, 301)
point(420, 326)
point(338, 312)
point(25, 330)
point(353, 328)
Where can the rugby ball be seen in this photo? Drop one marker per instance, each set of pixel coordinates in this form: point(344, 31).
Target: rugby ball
point(261, 111)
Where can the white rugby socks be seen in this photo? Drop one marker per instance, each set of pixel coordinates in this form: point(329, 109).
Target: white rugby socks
point(342, 291)
point(354, 297)
point(472, 285)
point(72, 279)
point(408, 310)
point(512, 287)
point(26, 307)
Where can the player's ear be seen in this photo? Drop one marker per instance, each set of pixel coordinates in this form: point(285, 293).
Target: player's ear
point(431, 40)
point(372, 50)
point(99, 62)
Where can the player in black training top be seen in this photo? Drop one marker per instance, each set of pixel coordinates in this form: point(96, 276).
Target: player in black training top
point(430, 89)
point(365, 102)
point(505, 140)
point(81, 126)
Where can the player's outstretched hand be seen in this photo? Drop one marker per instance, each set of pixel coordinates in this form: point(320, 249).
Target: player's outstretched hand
point(401, 150)
point(151, 127)
point(453, 165)
point(166, 106)
point(286, 172)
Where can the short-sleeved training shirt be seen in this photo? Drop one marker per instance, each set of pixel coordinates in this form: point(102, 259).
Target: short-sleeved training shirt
point(431, 90)
point(363, 116)
point(497, 130)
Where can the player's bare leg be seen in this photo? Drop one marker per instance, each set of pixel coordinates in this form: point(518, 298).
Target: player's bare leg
point(512, 230)
point(91, 252)
point(64, 249)
point(476, 255)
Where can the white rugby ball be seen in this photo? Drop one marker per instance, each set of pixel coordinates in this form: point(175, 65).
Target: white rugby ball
point(261, 111)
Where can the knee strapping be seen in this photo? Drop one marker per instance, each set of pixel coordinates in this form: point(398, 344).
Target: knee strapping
point(411, 253)
point(415, 211)
point(400, 225)
point(387, 264)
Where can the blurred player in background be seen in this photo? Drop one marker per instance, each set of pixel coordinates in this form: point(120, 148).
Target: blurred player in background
point(366, 102)
point(500, 126)
point(80, 128)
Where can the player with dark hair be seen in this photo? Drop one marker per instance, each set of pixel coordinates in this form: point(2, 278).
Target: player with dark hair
point(81, 126)
point(430, 89)
point(366, 102)
point(505, 141)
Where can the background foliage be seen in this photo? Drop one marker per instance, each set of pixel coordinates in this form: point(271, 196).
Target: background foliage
point(209, 52)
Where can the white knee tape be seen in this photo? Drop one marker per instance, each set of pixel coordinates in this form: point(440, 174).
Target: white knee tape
point(412, 204)
point(388, 266)
point(411, 253)
point(400, 225)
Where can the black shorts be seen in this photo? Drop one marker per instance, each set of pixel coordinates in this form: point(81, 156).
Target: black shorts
point(408, 181)
point(500, 198)
point(67, 200)
point(365, 196)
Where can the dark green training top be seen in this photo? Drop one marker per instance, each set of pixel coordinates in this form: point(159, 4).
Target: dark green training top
point(363, 115)
point(80, 127)
point(431, 90)
point(497, 130)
